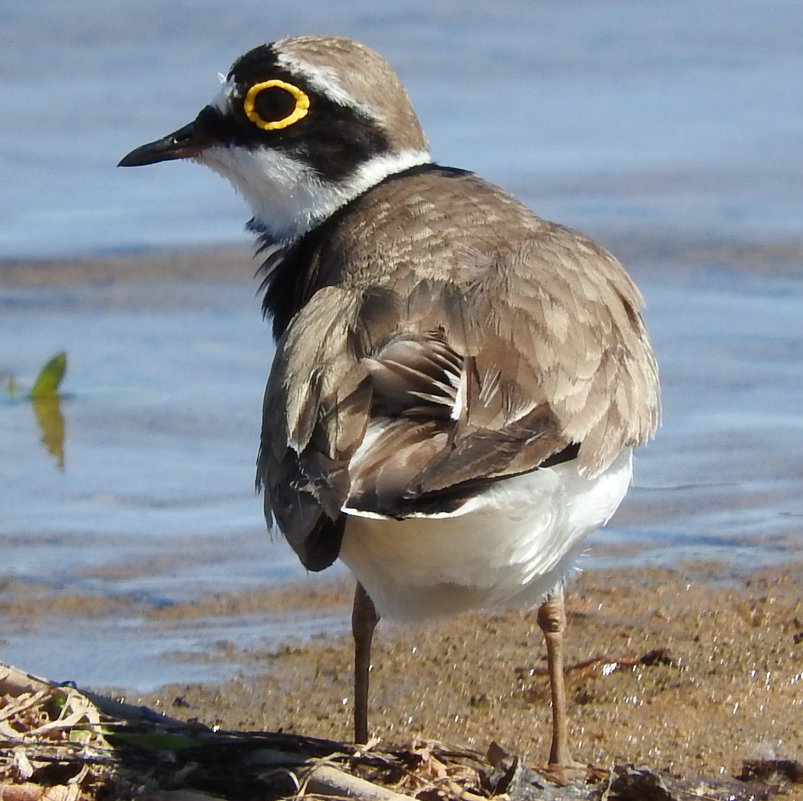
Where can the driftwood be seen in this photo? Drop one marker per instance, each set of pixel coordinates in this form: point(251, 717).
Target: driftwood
point(61, 744)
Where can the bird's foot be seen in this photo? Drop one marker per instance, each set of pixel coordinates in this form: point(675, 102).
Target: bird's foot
point(565, 772)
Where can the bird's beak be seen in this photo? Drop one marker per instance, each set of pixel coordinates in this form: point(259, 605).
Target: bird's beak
point(185, 143)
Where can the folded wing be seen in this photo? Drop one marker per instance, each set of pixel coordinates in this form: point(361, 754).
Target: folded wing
point(395, 403)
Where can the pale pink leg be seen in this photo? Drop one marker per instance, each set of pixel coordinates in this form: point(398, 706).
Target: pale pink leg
point(552, 620)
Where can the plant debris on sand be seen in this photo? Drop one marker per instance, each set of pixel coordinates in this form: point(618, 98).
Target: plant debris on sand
point(60, 744)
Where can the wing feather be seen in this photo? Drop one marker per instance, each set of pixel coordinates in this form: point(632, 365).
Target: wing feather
point(404, 386)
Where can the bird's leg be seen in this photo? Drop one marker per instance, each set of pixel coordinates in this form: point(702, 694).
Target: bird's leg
point(363, 622)
point(552, 620)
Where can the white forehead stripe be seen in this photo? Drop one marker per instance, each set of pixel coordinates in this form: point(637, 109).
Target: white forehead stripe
point(222, 100)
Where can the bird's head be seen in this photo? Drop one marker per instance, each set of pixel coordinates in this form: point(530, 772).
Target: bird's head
point(300, 127)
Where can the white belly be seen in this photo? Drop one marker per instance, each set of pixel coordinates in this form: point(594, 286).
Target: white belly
point(511, 545)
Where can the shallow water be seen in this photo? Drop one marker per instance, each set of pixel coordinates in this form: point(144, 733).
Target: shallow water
point(636, 123)
point(682, 117)
point(155, 504)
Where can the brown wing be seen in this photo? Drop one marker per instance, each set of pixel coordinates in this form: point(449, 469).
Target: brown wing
point(406, 386)
point(468, 387)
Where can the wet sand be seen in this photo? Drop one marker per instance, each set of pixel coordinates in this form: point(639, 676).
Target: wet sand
point(226, 263)
point(690, 670)
point(186, 264)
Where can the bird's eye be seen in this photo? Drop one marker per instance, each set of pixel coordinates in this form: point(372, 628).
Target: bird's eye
point(272, 105)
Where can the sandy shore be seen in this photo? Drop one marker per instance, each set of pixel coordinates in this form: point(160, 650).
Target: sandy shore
point(208, 263)
point(237, 262)
point(690, 670)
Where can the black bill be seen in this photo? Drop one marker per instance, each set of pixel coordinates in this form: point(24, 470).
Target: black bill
point(184, 143)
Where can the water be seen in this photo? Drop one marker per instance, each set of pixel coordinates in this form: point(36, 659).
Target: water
point(663, 131)
point(673, 117)
point(155, 505)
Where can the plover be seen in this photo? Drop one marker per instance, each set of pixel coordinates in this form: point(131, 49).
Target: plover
point(458, 384)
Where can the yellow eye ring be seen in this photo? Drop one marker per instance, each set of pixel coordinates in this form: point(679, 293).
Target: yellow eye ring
point(299, 112)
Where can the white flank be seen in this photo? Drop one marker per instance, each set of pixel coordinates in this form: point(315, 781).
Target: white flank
point(513, 544)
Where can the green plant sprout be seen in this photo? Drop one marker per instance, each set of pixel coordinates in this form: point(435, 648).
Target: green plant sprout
point(46, 401)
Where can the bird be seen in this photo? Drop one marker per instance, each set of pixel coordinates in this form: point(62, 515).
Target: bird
point(458, 384)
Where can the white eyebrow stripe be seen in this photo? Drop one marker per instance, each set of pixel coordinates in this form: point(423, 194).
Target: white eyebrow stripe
point(322, 79)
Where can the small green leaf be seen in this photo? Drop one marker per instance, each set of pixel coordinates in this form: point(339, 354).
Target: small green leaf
point(49, 378)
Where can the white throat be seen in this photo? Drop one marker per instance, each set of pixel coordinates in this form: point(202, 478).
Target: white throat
point(286, 196)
